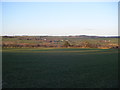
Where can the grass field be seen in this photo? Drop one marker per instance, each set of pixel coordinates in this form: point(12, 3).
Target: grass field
point(60, 68)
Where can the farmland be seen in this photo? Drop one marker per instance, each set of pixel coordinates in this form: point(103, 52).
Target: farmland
point(60, 41)
point(60, 68)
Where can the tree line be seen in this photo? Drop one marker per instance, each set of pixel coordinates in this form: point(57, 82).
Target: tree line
point(66, 44)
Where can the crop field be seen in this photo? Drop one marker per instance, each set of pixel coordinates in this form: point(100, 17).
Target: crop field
point(59, 68)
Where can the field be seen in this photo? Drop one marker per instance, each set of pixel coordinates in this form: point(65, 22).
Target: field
point(60, 68)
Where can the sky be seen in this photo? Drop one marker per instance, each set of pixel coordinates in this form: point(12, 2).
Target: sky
point(60, 18)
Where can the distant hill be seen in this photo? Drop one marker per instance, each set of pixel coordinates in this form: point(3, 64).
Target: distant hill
point(86, 36)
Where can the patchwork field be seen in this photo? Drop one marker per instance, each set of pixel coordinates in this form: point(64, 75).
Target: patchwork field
point(60, 68)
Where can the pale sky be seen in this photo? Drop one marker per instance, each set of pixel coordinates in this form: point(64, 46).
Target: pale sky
point(60, 18)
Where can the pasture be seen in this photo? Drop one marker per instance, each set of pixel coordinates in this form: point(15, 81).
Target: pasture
point(59, 68)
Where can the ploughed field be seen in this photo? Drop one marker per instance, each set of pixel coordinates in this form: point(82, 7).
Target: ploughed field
point(59, 68)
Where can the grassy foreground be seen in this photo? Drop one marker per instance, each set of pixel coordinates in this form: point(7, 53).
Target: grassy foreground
point(60, 68)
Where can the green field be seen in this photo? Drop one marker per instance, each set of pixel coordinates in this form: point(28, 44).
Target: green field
point(60, 68)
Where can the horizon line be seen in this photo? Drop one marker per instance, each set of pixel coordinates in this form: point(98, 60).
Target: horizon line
point(67, 35)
